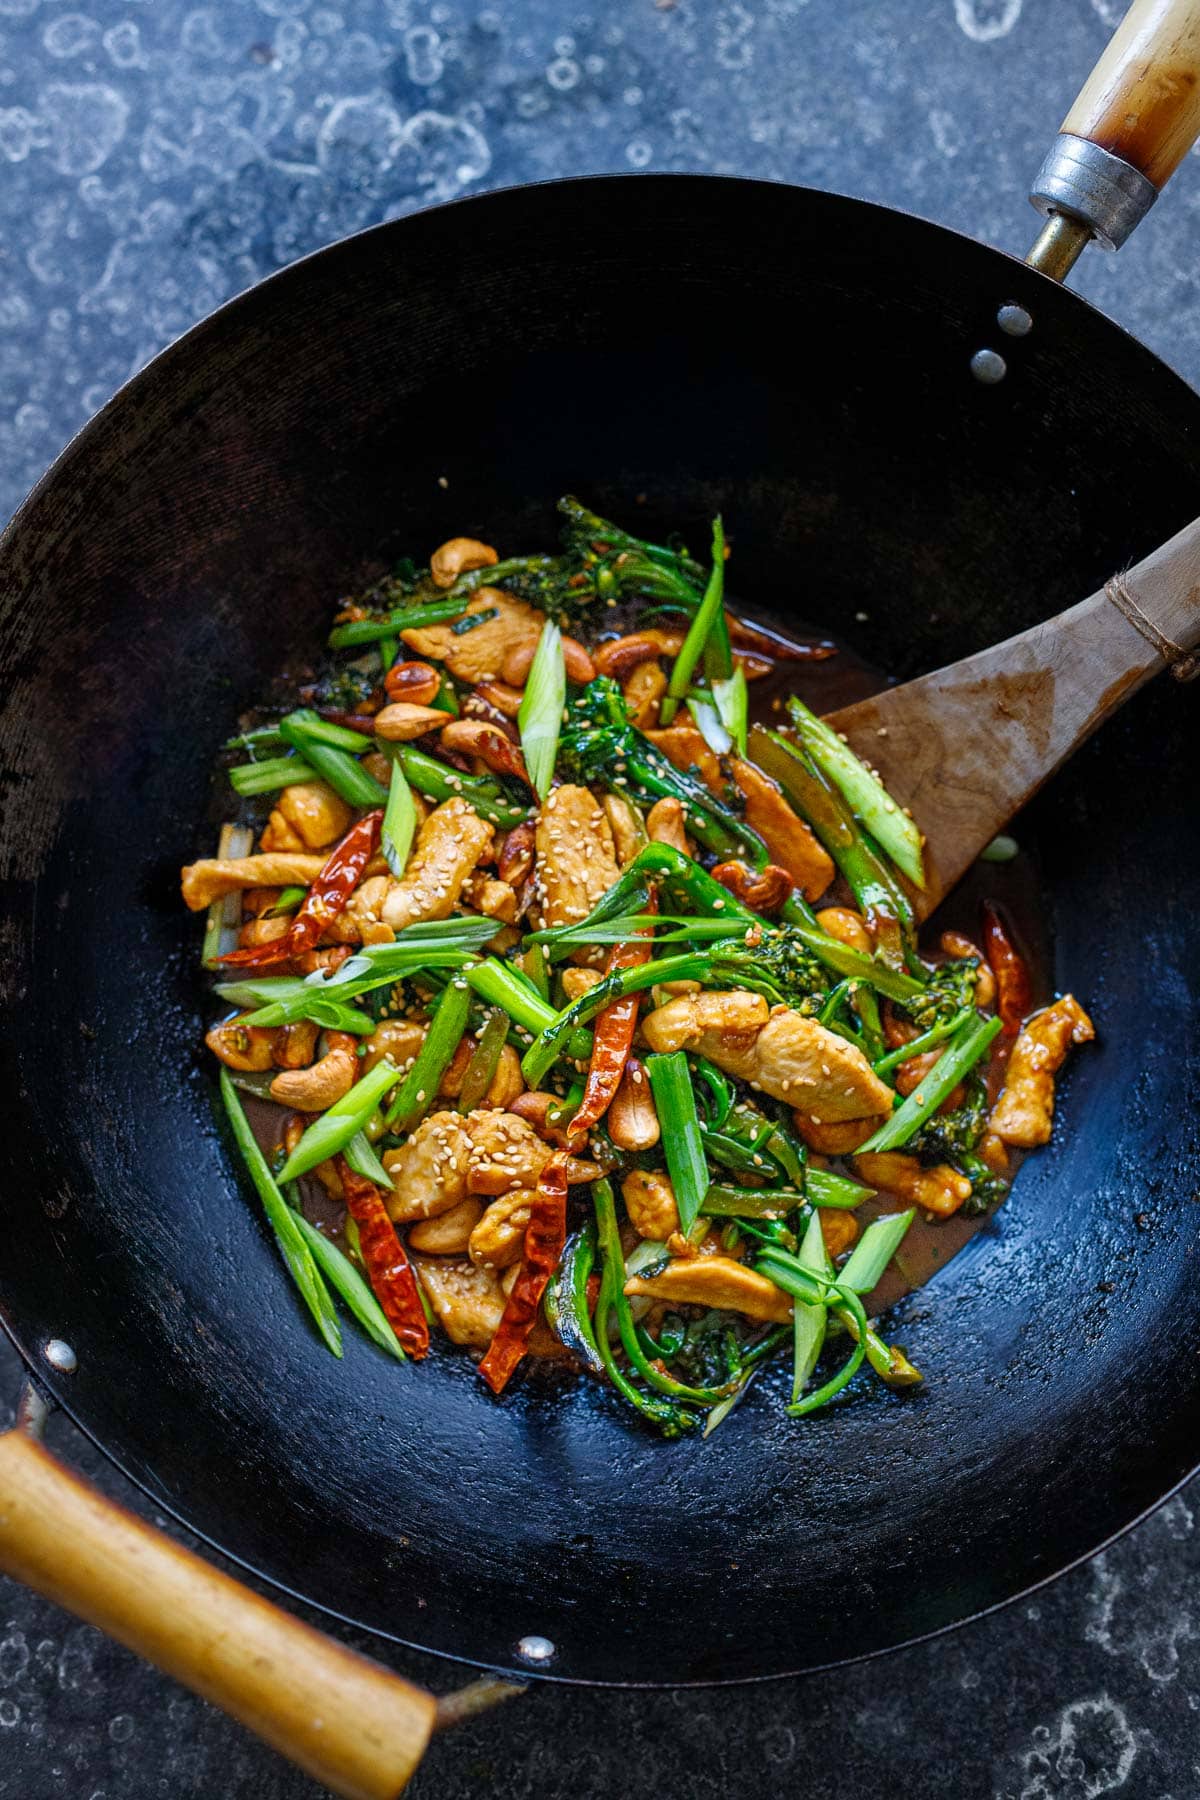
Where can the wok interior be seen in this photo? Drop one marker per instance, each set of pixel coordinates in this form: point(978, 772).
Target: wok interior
point(801, 362)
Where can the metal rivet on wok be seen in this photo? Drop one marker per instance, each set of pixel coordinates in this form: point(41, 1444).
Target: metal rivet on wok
point(988, 367)
point(1015, 320)
point(534, 1649)
point(61, 1355)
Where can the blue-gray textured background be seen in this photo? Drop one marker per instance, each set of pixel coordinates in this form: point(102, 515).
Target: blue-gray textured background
point(154, 159)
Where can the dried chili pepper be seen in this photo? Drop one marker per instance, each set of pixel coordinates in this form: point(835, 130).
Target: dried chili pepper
point(545, 1235)
point(388, 1268)
point(326, 898)
point(612, 1037)
point(1014, 990)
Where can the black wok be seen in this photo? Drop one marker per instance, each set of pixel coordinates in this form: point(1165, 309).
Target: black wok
point(801, 361)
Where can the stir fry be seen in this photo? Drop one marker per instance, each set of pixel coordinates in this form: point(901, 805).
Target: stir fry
point(572, 1006)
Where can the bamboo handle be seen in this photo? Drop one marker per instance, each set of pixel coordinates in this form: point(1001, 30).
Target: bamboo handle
point(1142, 100)
point(344, 1720)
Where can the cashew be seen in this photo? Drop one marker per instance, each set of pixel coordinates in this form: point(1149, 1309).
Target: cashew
point(632, 1121)
point(621, 656)
point(417, 683)
point(245, 1047)
point(295, 1044)
point(516, 860)
point(508, 1083)
point(847, 926)
point(650, 1202)
point(501, 696)
point(535, 1109)
point(764, 890)
point(449, 1233)
point(664, 825)
point(458, 555)
point(327, 1081)
point(495, 750)
point(499, 1237)
point(643, 688)
point(402, 721)
point(262, 931)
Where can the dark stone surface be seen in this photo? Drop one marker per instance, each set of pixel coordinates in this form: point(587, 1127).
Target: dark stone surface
point(156, 159)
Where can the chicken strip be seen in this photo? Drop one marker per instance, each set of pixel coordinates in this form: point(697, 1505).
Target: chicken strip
point(777, 1050)
point(429, 1172)
point(202, 882)
point(307, 816)
point(939, 1189)
point(576, 857)
point(715, 1281)
point(1023, 1114)
point(789, 840)
point(449, 844)
point(688, 751)
point(478, 654)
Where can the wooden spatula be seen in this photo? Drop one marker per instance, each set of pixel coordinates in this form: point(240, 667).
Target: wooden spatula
point(965, 747)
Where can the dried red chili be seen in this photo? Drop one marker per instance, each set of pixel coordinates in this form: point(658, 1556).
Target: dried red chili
point(1014, 990)
point(326, 898)
point(388, 1268)
point(545, 1235)
point(612, 1037)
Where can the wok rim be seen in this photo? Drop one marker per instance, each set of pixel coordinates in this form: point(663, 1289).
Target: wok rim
point(57, 1385)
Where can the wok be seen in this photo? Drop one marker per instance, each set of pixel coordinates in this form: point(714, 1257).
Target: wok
point(802, 361)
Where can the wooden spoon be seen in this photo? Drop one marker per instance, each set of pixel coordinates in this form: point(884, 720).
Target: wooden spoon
point(965, 747)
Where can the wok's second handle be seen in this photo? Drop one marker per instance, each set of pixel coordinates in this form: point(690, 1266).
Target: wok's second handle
point(350, 1723)
point(1136, 118)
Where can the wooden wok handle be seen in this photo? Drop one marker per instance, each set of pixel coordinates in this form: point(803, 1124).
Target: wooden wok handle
point(346, 1721)
point(1141, 102)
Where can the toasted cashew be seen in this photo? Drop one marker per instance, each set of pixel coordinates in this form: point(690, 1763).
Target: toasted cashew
point(327, 1081)
point(449, 1233)
point(239, 1046)
point(620, 657)
point(295, 1045)
point(416, 683)
point(632, 1119)
point(458, 555)
point(501, 696)
point(650, 1202)
point(499, 1237)
point(402, 721)
point(764, 890)
point(475, 737)
point(847, 926)
point(517, 853)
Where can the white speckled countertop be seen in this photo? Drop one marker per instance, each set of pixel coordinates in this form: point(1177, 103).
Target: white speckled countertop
point(155, 158)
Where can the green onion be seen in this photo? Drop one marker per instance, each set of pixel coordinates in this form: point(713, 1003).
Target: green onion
point(809, 1323)
point(399, 821)
point(725, 1201)
point(823, 1395)
point(1002, 849)
point(566, 1298)
point(290, 898)
point(323, 731)
point(360, 1154)
point(485, 1059)
point(540, 718)
point(404, 618)
point(865, 1265)
point(962, 1052)
point(535, 966)
point(337, 767)
point(263, 737)
point(333, 1130)
point(419, 1087)
point(503, 984)
point(937, 1034)
point(708, 613)
point(675, 1104)
point(863, 792)
point(294, 1250)
point(343, 1275)
point(389, 650)
point(265, 777)
point(823, 1188)
point(733, 706)
point(438, 781)
point(225, 912)
point(710, 725)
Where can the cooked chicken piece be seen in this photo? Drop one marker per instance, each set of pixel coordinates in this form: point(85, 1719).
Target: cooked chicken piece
point(429, 1172)
point(650, 1202)
point(494, 899)
point(398, 1038)
point(261, 931)
point(279, 836)
point(312, 813)
point(665, 825)
point(576, 860)
point(685, 747)
point(715, 1281)
point(643, 688)
point(579, 981)
point(499, 1237)
point(361, 923)
point(506, 1153)
point(628, 832)
point(789, 840)
point(478, 655)
point(939, 1190)
point(467, 1302)
point(449, 844)
point(449, 1233)
point(839, 1230)
point(241, 1046)
point(834, 1140)
point(202, 882)
point(784, 1054)
point(1025, 1110)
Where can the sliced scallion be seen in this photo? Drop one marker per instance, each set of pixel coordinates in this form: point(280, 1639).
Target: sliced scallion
point(961, 1054)
point(267, 777)
point(419, 1088)
point(863, 792)
point(399, 821)
point(865, 1265)
point(732, 701)
point(343, 1276)
point(540, 718)
point(333, 1130)
point(709, 611)
point(683, 1146)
